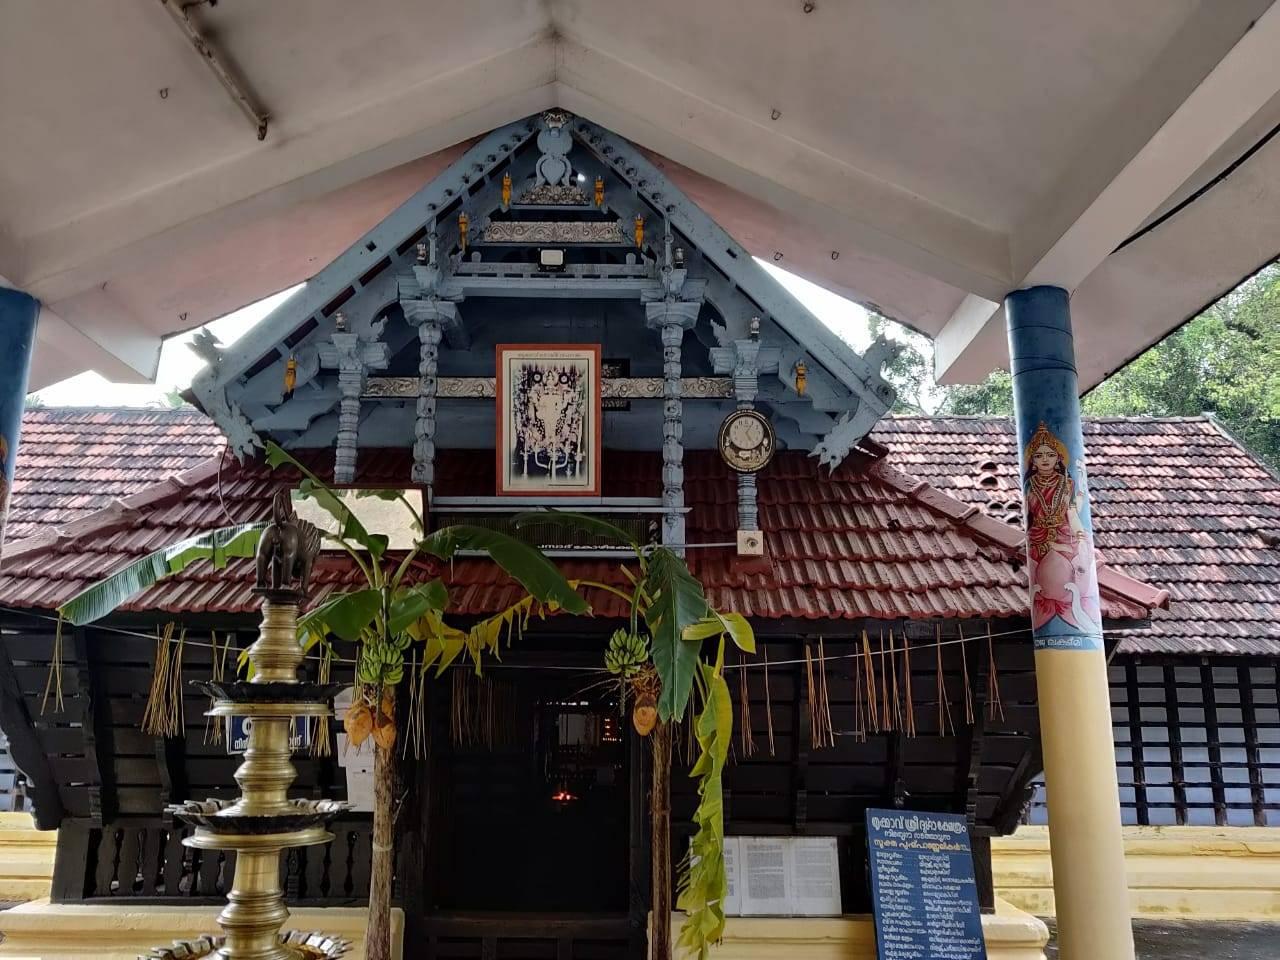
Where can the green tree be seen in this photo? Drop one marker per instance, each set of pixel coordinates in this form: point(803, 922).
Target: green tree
point(993, 396)
point(1226, 362)
point(911, 371)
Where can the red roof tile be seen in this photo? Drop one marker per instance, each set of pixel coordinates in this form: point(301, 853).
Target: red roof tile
point(73, 461)
point(1176, 502)
point(848, 545)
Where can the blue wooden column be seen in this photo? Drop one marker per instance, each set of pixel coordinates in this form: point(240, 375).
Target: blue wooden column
point(18, 312)
point(1085, 836)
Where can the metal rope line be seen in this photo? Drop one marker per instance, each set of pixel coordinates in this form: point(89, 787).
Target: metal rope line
point(499, 665)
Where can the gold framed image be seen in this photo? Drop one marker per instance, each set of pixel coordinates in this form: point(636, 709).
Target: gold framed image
point(548, 418)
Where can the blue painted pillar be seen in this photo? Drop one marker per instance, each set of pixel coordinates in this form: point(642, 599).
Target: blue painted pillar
point(18, 313)
point(1085, 836)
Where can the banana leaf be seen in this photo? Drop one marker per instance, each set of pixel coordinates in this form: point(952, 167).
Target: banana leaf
point(538, 575)
point(345, 615)
point(718, 624)
point(703, 883)
point(350, 529)
point(412, 603)
point(676, 602)
point(218, 546)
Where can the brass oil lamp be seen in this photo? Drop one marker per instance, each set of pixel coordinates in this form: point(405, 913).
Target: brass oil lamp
point(264, 821)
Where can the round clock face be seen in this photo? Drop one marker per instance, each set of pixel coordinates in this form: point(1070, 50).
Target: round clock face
point(746, 441)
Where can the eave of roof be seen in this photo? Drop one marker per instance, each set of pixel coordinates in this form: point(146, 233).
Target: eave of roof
point(871, 545)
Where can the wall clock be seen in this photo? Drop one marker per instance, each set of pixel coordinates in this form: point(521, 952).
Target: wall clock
point(746, 441)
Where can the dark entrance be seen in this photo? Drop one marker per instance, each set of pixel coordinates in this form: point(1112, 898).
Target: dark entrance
point(531, 817)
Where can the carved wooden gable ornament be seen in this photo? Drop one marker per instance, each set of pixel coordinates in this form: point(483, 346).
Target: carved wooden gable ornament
point(545, 226)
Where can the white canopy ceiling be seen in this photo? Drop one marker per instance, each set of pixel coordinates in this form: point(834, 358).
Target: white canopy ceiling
point(920, 156)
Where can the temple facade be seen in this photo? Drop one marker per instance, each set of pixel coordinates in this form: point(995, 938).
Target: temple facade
point(551, 322)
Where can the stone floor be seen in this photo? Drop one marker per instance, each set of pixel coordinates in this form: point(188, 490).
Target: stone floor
point(1201, 940)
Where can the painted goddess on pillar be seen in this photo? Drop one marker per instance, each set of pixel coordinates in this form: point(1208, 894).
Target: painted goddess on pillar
point(1063, 582)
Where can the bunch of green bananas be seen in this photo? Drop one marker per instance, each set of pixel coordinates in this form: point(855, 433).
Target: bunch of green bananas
point(626, 653)
point(380, 665)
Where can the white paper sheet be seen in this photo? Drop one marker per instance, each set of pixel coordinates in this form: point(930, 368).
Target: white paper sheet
point(815, 872)
point(782, 876)
point(766, 888)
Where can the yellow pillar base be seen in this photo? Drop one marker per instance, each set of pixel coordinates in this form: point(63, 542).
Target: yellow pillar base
point(1010, 935)
point(1184, 873)
point(45, 931)
point(26, 857)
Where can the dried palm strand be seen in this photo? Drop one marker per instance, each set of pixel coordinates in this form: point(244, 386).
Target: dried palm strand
point(768, 699)
point(994, 706)
point(322, 741)
point(744, 708)
point(964, 672)
point(217, 673)
point(815, 735)
point(457, 707)
point(161, 716)
point(828, 730)
point(906, 668)
point(415, 707)
point(177, 705)
point(53, 682)
point(895, 715)
point(873, 705)
point(859, 720)
point(944, 705)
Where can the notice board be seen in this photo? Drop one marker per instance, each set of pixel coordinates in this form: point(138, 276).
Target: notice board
point(923, 889)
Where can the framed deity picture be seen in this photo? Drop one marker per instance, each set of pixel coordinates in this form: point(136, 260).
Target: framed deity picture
point(549, 423)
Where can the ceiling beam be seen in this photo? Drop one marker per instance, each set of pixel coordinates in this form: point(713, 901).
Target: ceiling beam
point(418, 120)
point(1069, 249)
point(850, 207)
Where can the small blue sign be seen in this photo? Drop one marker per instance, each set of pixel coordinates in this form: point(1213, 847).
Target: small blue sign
point(923, 889)
point(238, 734)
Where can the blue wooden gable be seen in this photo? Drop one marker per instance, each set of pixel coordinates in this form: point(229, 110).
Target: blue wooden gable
point(343, 363)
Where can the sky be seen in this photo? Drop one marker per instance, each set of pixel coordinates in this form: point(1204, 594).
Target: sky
point(178, 364)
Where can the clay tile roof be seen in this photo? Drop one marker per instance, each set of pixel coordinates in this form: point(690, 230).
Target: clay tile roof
point(872, 543)
point(1177, 502)
point(74, 461)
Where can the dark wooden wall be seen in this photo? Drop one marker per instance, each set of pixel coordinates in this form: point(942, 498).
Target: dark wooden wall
point(92, 769)
point(1197, 741)
point(984, 769)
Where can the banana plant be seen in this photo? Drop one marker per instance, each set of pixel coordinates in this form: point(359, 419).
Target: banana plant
point(659, 661)
point(391, 610)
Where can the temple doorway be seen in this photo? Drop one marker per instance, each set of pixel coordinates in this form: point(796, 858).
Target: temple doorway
point(532, 816)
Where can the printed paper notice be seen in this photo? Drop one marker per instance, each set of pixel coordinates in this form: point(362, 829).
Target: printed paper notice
point(815, 874)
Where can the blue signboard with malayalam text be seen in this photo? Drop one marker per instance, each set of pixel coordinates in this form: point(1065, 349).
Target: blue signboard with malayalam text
point(923, 889)
point(238, 729)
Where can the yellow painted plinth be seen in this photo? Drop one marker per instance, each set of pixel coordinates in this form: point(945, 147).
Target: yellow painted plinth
point(1193, 873)
point(26, 857)
point(1010, 933)
point(45, 931)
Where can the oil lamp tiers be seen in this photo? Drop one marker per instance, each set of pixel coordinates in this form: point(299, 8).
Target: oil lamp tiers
point(264, 820)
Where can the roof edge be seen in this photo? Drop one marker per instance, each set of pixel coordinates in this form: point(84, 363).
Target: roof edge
point(1006, 537)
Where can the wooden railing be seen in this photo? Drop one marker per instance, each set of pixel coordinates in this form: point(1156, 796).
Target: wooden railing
point(144, 861)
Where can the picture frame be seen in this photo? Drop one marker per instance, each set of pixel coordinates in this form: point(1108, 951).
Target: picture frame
point(549, 424)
